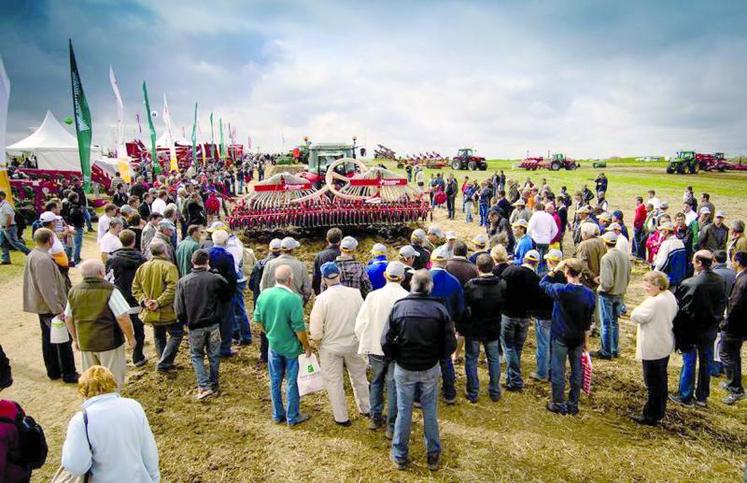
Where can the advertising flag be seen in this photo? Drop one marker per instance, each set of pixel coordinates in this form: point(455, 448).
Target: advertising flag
point(4, 97)
point(173, 166)
point(194, 139)
point(153, 151)
point(82, 120)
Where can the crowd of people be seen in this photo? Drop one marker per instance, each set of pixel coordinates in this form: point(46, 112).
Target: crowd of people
point(168, 261)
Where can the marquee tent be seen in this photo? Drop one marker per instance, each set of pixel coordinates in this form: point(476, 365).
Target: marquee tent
point(54, 147)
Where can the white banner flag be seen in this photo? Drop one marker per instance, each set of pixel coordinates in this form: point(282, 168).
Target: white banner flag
point(4, 97)
point(167, 121)
point(121, 151)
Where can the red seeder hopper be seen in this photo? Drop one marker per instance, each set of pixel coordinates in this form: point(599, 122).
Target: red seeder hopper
point(363, 197)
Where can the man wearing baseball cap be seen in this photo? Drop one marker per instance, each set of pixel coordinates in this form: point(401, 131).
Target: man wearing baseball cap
point(543, 318)
point(623, 244)
point(369, 327)
point(614, 277)
point(375, 267)
point(481, 243)
point(520, 212)
point(254, 281)
point(523, 241)
point(328, 254)
point(713, 237)
point(352, 272)
point(423, 259)
point(166, 230)
point(672, 256)
point(301, 282)
point(332, 325)
point(57, 252)
point(434, 238)
point(408, 256)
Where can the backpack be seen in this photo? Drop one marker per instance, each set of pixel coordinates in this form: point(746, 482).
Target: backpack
point(33, 444)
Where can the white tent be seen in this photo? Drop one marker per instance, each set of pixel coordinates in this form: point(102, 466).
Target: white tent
point(54, 147)
point(163, 140)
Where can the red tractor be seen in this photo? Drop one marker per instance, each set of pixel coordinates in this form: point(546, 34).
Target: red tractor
point(466, 159)
point(557, 161)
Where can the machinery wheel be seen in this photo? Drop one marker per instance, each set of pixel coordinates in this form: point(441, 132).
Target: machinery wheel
point(483, 167)
point(721, 168)
point(572, 166)
point(555, 166)
point(471, 166)
point(456, 164)
point(694, 168)
point(670, 169)
point(400, 165)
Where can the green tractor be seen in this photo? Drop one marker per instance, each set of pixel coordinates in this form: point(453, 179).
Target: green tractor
point(685, 162)
point(297, 155)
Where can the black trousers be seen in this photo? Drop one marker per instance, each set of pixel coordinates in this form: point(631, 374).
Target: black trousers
point(731, 357)
point(58, 358)
point(264, 346)
point(655, 377)
point(139, 331)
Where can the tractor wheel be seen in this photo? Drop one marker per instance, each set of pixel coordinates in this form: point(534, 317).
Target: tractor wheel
point(483, 167)
point(694, 168)
point(721, 168)
point(571, 166)
point(400, 165)
point(456, 164)
point(670, 169)
point(555, 166)
point(472, 166)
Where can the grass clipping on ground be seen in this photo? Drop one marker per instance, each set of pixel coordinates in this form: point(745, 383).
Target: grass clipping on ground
point(232, 437)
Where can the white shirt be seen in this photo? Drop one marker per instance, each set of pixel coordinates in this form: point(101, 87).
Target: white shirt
point(690, 216)
point(117, 304)
point(236, 249)
point(122, 442)
point(654, 335)
point(332, 319)
point(103, 227)
point(369, 325)
point(623, 244)
point(109, 243)
point(5, 210)
point(542, 227)
point(158, 206)
point(654, 201)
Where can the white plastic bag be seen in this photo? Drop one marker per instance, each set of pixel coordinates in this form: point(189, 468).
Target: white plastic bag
point(58, 332)
point(309, 375)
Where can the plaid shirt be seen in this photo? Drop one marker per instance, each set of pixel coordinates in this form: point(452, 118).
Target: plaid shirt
point(353, 274)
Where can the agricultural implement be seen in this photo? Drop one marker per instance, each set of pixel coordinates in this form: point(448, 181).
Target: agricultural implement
point(352, 195)
point(431, 160)
point(383, 152)
point(690, 162)
point(466, 159)
point(555, 163)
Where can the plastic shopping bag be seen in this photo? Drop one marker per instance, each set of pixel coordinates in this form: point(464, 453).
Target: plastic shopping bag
point(309, 375)
point(58, 333)
point(586, 373)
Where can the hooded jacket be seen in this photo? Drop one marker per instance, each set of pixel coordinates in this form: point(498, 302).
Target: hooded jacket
point(120, 270)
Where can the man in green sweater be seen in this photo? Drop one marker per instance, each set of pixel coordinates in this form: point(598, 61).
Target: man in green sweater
point(279, 313)
point(189, 245)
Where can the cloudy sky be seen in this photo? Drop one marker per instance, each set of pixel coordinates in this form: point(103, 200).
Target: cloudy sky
point(588, 78)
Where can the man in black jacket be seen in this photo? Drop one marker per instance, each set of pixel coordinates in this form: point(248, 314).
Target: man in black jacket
point(329, 254)
point(418, 334)
point(254, 280)
point(199, 303)
point(701, 301)
point(483, 297)
point(734, 332)
point(120, 270)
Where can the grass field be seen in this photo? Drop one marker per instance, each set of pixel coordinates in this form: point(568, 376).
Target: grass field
point(232, 438)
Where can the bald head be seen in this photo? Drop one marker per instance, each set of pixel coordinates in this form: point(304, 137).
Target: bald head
point(283, 275)
point(92, 268)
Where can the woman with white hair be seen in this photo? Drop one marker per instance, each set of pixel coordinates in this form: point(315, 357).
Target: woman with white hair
point(110, 439)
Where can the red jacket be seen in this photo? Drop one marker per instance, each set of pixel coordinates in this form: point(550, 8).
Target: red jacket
point(640, 216)
point(9, 444)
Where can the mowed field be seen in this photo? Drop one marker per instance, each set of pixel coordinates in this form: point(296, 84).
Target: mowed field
point(232, 438)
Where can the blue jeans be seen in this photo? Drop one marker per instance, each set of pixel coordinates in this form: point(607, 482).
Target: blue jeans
point(483, 214)
point(167, 347)
point(241, 329)
point(407, 382)
point(542, 354)
point(702, 352)
point(467, 208)
point(471, 354)
point(513, 335)
point(383, 376)
point(226, 328)
point(639, 244)
point(87, 217)
point(77, 244)
point(559, 353)
point(9, 239)
point(610, 308)
point(282, 367)
point(542, 248)
point(202, 341)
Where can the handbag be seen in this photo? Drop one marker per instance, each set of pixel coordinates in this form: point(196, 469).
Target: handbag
point(309, 375)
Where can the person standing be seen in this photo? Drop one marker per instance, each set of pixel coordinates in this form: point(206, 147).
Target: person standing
point(83, 200)
point(713, 235)
point(369, 327)
point(187, 247)
point(166, 229)
point(376, 267)
point(573, 304)
point(543, 319)
point(352, 272)
point(654, 343)
point(419, 333)
point(542, 228)
point(120, 270)
point(109, 243)
point(459, 266)
point(76, 219)
point(199, 304)
point(254, 282)
point(222, 263)
point(737, 241)
point(9, 230)
point(701, 308)
point(522, 285)
point(614, 277)
point(423, 258)
point(149, 231)
point(452, 188)
point(44, 294)
point(481, 325)
point(110, 211)
point(332, 325)
point(279, 313)
point(97, 317)
point(154, 288)
point(734, 331)
point(329, 254)
point(300, 281)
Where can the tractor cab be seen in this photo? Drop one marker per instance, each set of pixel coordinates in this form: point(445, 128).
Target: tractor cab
point(321, 155)
point(560, 157)
point(465, 153)
point(719, 156)
point(685, 155)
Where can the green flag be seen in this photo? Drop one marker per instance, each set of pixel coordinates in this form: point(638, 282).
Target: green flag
point(82, 121)
point(194, 139)
point(212, 138)
point(222, 149)
point(153, 151)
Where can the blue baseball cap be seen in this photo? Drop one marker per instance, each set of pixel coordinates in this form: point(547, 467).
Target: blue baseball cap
point(330, 270)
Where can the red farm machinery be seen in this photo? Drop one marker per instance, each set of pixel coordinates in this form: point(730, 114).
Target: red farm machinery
point(554, 163)
point(690, 162)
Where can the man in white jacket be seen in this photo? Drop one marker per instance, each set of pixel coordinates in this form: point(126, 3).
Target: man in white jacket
point(542, 229)
point(623, 244)
point(369, 327)
point(333, 323)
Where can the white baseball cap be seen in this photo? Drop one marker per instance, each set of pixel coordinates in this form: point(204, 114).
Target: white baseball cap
point(407, 251)
point(48, 217)
point(289, 243)
point(395, 270)
point(378, 249)
point(275, 244)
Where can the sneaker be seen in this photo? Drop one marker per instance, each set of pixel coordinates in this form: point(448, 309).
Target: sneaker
point(555, 408)
point(733, 398)
point(678, 399)
point(204, 393)
point(344, 424)
point(375, 424)
point(389, 433)
point(701, 404)
point(433, 461)
point(141, 362)
point(534, 376)
point(601, 355)
point(399, 464)
point(470, 399)
point(723, 385)
point(302, 418)
point(450, 402)
point(641, 420)
point(571, 410)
